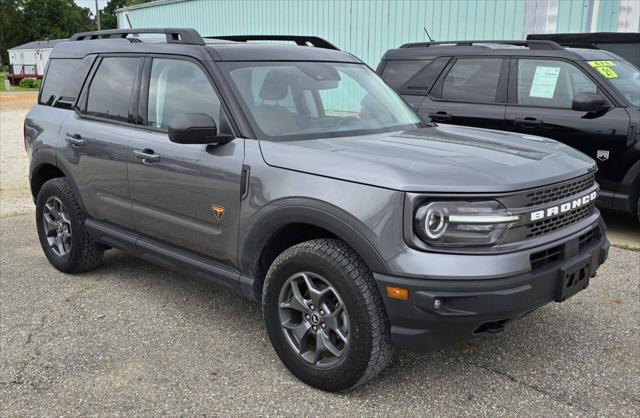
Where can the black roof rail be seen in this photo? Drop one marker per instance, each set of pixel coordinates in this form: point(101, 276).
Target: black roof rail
point(174, 36)
point(314, 41)
point(532, 44)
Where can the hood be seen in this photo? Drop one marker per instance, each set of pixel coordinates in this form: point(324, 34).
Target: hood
point(443, 158)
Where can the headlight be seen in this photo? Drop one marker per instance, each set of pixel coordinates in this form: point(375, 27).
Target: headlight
point(458, 224)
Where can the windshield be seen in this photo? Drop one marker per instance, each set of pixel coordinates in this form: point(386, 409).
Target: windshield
point(304, 100)
point(623, 76)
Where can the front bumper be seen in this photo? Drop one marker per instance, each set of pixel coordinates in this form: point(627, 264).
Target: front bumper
point(469, 307)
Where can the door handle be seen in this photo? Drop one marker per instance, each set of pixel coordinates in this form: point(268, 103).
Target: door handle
point(528, 122)
point(440, 116)
point(147, 156)
point(75, 140)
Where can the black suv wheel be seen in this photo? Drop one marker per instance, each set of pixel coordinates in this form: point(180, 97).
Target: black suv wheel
point(325, 317)
point(61, 229)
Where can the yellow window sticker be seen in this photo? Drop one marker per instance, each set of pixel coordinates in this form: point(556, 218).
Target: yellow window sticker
point(607, 72)
point(604, 68)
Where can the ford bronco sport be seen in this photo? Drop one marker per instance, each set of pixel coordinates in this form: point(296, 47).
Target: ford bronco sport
point(586, 98)
point(294, 176)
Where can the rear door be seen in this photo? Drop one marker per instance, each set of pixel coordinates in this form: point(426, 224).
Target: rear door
point(471, 91)
point(185, 195)
point(97, 136)
point(540, 97)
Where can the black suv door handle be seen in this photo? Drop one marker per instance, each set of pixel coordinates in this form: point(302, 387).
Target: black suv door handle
point(440, 116)
point(147, 156)
point(75, 140)
point(528, 122)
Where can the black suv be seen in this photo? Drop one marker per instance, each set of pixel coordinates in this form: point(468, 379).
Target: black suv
point(586, 98)
point(294, 176)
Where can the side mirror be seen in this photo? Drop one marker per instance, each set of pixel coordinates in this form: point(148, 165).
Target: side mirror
point(195, 128)
point(589, 102)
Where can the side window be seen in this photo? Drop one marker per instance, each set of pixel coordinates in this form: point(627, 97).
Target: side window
point(110, 90)
point(396, 73)
point(550, 83)
point(178, 86)
point(63, 81)
point(472, 80)
point(422, 82)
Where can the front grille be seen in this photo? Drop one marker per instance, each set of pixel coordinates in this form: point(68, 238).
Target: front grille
point(553, 254)
point(560, 190)
point(537, 228)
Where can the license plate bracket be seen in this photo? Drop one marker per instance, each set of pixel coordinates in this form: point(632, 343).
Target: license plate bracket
point(573, 279)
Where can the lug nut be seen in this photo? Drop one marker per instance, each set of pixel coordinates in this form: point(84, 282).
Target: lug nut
point(311, 307)
point(321, 312)
point(324, 325)
point(315, 328)
point(307, 316)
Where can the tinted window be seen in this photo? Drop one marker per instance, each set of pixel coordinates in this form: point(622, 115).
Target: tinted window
point(179, 87)
point(472, 80)
point(422, 82)
point(550, 83)
point(111, 88)
point(57, 81)
point(396, 73)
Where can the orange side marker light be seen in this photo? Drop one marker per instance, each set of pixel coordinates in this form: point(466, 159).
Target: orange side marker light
point(397, 293)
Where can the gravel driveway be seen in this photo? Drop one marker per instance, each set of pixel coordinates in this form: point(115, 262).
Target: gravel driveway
point(131, 338)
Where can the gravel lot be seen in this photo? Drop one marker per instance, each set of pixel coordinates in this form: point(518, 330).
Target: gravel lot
point(131, 338)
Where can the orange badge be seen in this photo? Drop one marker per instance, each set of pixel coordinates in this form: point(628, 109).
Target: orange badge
point(218, 211)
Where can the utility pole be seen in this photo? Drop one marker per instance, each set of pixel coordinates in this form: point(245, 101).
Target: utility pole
point(97, 15)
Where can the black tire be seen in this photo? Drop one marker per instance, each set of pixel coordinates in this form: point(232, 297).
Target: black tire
point(83, 253)
point(369, 348)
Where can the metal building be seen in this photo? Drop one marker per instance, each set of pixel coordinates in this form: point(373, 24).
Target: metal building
point(29, 60)
point(368, 28)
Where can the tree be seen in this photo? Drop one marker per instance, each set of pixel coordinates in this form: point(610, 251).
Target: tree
point(31, 20)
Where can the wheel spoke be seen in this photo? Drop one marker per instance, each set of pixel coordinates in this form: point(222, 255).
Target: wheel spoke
point(315, 293)
point(49, 225)
point(297, 302)
point(300, 331)
point(324, 344)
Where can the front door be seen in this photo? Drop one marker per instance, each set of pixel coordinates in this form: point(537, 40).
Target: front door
point(541, 105)
point(185, 195)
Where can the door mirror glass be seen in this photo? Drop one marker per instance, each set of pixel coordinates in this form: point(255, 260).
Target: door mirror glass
point(195, 128)
point(589, 102)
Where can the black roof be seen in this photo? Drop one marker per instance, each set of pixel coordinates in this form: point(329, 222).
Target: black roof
point(540, 48)
point(189, 42)
point(588, 38)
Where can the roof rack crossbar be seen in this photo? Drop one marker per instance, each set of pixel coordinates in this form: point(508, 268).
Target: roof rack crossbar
point(532, 44)
point(314, 41)
point(174, 36)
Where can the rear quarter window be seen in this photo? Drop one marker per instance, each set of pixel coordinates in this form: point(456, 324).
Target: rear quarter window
point(63, 81)
point(396, 73)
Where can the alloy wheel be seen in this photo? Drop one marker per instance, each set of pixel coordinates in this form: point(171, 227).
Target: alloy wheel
point(314, 319)
point(57, 226)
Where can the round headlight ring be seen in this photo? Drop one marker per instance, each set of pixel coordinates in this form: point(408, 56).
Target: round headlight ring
point(435, 223)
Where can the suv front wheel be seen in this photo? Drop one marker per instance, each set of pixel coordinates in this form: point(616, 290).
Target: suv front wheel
point(63, 236)
point(325, 317)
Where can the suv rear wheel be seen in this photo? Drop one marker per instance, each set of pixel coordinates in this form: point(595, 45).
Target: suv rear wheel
point(63, 236)
point(325, 317)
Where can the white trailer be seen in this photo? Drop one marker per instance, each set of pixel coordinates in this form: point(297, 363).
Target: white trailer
point(29, 60)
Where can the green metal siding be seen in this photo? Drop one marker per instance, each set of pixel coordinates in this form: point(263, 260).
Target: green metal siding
point(366, 28)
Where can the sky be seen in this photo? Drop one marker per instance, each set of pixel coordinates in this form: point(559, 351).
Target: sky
point(91, 4)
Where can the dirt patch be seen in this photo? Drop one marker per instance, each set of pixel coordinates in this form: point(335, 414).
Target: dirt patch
point(17, 100)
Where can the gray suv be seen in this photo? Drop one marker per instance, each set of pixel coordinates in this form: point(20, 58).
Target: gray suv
point(294, 176)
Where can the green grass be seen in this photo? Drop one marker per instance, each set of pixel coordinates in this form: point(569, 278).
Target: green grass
point(13, 88)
